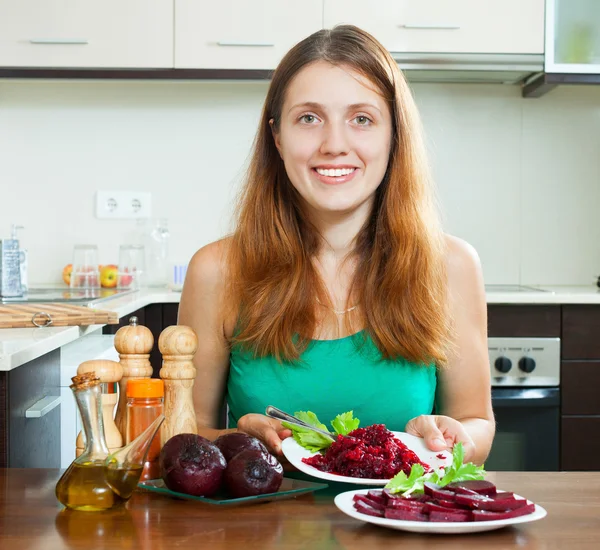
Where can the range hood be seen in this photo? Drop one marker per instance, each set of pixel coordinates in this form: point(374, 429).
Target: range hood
point(469, 68)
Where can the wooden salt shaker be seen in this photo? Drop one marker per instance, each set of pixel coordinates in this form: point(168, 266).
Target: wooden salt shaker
point(178, 344)
point(108, 372)
point(134, 344)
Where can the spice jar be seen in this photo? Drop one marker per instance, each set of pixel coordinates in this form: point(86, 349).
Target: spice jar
point(145, 402)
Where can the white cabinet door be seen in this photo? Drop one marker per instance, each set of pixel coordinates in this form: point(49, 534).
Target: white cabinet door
point(446, 26)
point(241, 34)
point(86, 33)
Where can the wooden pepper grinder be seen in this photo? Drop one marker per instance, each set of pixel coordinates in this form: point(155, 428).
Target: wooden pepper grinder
point(108, 372)
point(134, 344)
point(178, 344)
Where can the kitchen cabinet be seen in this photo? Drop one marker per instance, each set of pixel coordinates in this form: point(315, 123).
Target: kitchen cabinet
point(572, 36)
point(580, 382)
point(241, 34)
point(30, 414)
point(86, 33)
point(439, 26)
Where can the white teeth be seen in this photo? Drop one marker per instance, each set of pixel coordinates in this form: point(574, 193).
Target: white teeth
point(335, 172)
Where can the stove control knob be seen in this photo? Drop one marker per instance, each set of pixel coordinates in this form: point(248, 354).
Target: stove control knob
point(503, 364)
point(527, 364)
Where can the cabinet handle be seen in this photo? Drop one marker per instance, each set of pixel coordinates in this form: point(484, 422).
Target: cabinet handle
point(64, 41)
point(43, 406)
point(432, 27)
point(247, 44)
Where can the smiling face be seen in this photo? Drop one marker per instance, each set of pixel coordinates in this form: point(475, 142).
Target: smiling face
point(334, 138)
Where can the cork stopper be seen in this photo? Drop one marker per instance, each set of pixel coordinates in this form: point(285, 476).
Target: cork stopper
point(107, 371)
point(85, 381)
point(178, 340)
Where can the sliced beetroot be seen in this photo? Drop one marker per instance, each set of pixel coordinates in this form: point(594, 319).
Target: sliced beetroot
point(369, 502)
point(434, 507)
point(405, 505)
point(450, 515)
point(446, 503)
point(483, 515)
point(478, 485)
point(389, 495)
point(481, 502)
point(437, 492)
point(364, 508)
point(503, 494)
point(405, 515)
point(463, 491)
point(377, 496)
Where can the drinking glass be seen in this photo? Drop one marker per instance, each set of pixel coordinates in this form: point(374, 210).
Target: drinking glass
point(85, 274)
point(131, 266)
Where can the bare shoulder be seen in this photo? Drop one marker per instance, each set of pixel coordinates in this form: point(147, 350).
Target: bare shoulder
point(207, 268)
point(463, 267)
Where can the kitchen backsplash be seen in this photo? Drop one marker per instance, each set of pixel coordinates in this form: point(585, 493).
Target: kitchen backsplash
point(518, 178)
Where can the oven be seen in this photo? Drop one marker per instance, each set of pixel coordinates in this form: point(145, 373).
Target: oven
point(526, 401)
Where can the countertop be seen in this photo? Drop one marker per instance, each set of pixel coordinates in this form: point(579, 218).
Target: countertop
point(31, 517)
point(18, 346)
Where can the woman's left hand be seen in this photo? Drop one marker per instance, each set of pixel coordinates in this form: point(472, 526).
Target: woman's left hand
point(441, 433)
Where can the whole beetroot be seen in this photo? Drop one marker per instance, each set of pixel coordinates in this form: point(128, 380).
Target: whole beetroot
point(192, 464)
point(233, 443)
point(251, 473)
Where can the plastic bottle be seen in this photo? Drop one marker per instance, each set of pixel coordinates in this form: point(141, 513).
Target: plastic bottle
point(145, 403)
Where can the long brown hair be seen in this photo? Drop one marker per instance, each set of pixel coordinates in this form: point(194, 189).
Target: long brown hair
point(400, 277)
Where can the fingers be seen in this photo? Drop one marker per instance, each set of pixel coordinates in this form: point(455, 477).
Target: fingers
point(426, 427)
point(268, 430)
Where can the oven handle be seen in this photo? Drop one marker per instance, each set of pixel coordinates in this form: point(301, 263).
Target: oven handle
point(525, 397)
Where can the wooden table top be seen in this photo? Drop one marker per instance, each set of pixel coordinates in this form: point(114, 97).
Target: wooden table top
point(31, 517)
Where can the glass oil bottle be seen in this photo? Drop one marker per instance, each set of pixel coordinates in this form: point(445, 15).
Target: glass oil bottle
point(95, 480)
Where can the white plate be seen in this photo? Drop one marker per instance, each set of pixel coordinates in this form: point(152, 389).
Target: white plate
point(295, 453)
point(345, 503)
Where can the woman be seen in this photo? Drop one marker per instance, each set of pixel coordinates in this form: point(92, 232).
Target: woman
point(338, 290)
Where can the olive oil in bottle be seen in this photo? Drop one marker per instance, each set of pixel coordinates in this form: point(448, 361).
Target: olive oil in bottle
point(122, 481)
point(83, 487)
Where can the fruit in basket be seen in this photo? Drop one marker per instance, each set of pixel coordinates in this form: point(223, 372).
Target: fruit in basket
point(192, 464)
point(233, 443)
point(251, 473)
point(109, 275)
point(66, 273)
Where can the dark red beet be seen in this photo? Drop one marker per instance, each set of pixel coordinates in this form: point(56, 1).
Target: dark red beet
point(377, 496)
point(371, 452)
point(393, 513)
point(251, 473)
point(364, 508)
point(449, 515)
point(399, 504)
point(233, 443)
point(482, 515)
point(191, 464)
point(478, 485)
point(436, 491)
point(372, 503)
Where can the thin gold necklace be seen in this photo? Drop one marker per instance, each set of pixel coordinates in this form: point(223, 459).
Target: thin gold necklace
point(337, 312)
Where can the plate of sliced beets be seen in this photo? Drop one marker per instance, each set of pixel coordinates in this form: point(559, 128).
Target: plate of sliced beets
point(348, 461)
point(462, 507)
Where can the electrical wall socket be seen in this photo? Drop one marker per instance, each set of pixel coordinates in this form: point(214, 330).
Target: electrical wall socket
point(123, 205)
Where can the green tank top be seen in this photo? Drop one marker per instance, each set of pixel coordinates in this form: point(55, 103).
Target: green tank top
point(332, 377)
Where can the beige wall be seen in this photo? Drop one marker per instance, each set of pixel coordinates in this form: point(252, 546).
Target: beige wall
point(518, 178)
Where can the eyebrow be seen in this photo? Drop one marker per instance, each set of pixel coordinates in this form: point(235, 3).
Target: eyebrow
point(317, 106)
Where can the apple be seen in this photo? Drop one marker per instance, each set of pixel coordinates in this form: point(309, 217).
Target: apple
point(66, 273)
point(109, 275)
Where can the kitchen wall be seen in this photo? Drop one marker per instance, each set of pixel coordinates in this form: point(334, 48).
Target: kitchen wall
point(518, 178)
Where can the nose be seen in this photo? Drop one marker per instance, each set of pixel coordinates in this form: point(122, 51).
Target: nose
point(335, 140)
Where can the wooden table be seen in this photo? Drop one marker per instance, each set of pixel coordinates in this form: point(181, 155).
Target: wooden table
point(32, 518)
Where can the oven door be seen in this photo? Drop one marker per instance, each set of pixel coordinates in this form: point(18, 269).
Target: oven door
point(527, 429)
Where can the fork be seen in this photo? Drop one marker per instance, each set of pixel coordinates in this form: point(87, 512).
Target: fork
point(278, 414)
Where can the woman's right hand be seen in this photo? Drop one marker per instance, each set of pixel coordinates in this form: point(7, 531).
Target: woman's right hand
point(268, 430)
